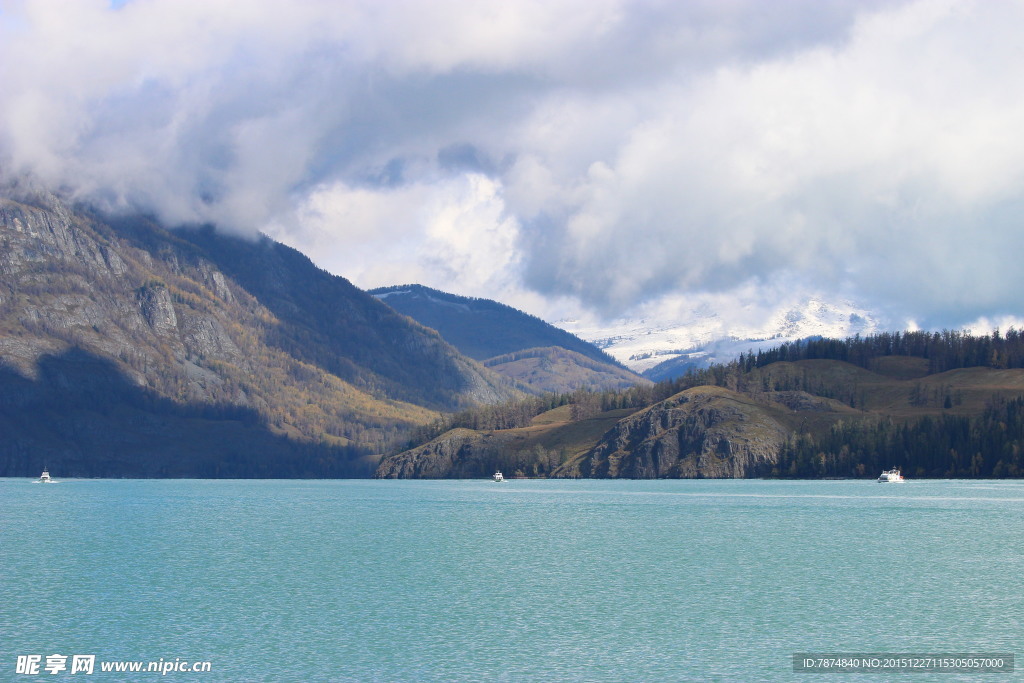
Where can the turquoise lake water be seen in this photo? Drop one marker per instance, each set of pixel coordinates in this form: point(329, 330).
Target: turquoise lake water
point(526, 580)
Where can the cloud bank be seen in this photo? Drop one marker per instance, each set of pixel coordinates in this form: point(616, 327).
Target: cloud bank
point(557, 154)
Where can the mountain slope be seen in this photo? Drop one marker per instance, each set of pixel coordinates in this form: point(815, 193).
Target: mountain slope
point(513, 343)
point(813, 417)
point(333, 324)
point(481, 328)
point(119, 338)
point(559, 370)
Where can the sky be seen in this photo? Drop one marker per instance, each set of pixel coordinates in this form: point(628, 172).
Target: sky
point(594, 158)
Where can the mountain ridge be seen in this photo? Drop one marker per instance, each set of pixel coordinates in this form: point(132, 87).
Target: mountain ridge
point(485, 328)
point(522, 347)
point(176, 320)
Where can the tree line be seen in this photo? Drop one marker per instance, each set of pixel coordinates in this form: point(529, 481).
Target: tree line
point(946, 350)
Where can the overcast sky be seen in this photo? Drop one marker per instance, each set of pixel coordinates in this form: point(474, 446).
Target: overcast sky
point(566, 157)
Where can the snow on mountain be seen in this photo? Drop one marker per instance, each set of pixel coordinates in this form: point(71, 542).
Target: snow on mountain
point(700, 336)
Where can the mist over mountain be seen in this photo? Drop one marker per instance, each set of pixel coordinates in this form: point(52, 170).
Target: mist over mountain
point(127, 349)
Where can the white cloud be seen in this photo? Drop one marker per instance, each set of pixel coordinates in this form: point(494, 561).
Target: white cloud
point(612, 152)
point(868, 162)
point(451, 234)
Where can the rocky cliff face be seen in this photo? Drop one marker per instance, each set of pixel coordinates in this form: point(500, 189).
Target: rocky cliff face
point(72, 282)
point(119, 338)
point(705, 432)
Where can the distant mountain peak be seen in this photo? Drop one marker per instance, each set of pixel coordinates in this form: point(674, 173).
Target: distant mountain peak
point(660, 348)
point(485, 330)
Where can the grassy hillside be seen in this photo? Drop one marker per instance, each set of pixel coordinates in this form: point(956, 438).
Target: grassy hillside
point(899, 387)
point(812, 417)
point(559, 370)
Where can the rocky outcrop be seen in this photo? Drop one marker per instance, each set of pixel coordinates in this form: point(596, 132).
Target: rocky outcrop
point(458, 454)
point(704, 432)
point(157, 308)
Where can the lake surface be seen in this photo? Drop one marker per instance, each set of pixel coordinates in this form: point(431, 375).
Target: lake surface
point(524, 580)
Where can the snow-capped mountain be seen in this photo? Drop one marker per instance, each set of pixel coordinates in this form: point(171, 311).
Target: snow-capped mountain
point(661, 348)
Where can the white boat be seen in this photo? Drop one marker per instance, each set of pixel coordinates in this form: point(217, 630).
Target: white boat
point(498, 476)
point(45, 478)
point(892, 475)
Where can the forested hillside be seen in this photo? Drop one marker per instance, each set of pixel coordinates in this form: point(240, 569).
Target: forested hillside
point(946, 404)
point(948, 446)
